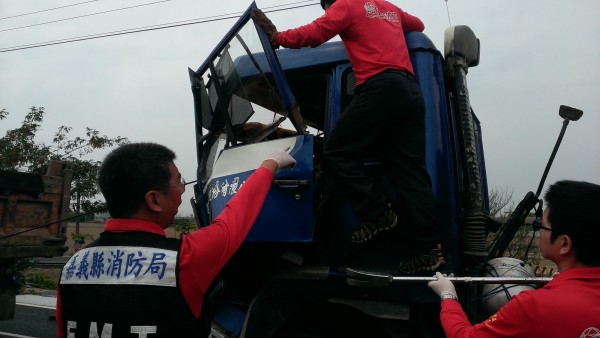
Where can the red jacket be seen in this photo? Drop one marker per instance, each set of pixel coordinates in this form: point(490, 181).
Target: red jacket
point(372, 32)
point(204, 252)
point(568, 306)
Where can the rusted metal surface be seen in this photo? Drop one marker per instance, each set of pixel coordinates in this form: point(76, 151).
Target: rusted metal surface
point(23, 207)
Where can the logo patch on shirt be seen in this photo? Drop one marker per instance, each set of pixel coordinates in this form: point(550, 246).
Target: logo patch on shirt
point(590, 332)
point(373, 13)
point(491, 320)
point(121, 265)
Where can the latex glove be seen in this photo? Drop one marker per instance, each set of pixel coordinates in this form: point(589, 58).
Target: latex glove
point(265, 23)
point(442, 286)
point(282, 157)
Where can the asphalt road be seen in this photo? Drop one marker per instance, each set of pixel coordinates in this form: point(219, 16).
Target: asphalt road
point(30, 321)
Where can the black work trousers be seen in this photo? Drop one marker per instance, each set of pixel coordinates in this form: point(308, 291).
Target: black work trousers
point(385, 120)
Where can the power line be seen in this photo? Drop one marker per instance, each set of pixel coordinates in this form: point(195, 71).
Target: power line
point(46, 10)
point(152, 27)
point(272, 8)
point(116, 33)
point(82, 16)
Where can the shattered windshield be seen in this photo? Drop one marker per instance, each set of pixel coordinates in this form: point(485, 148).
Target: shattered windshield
point(243, 98)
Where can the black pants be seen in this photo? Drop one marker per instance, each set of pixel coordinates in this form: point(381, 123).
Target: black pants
point(386, 120)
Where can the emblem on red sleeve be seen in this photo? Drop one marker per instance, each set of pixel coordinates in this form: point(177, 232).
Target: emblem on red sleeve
point(590, 332)
point(491, 320)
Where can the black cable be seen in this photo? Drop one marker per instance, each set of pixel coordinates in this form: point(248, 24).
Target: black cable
point(46, 10)
point(82, 16)
point(145, 29)
point(104, 35)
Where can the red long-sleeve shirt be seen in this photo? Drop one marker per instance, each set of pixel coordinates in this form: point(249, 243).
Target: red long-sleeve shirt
point(567, 306)
point(372, 32)
point(205, 251)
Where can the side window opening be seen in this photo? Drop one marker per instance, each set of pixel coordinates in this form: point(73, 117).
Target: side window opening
point(244, 103)
point(310, 87)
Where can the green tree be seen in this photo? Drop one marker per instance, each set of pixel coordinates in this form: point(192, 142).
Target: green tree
point(18, 148)
point(184, 227)
point(20, 151)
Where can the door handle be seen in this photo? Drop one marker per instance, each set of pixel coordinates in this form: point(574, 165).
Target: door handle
point(289, 184)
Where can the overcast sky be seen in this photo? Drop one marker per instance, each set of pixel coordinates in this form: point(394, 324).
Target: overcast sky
point(535, 56)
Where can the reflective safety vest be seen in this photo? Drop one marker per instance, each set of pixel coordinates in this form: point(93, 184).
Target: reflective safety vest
point(126, 285)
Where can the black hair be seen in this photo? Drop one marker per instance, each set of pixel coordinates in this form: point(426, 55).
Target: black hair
point(131, 170)
point(326, 2)
point(573, 208)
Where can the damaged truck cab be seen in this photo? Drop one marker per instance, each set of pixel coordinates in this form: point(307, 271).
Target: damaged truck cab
point(291, 274)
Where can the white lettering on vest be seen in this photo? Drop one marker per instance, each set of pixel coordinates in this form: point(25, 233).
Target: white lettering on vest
point(71, 325)
point(143, 331)
point(121, 265)
point(106, 330)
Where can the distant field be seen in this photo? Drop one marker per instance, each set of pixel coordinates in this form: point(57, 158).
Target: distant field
point(94, 229)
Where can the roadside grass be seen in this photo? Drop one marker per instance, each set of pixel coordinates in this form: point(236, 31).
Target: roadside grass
point(40, 282)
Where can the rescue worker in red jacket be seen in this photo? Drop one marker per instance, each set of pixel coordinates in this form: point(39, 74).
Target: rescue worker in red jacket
point(133, 280)
point(569, 305)
point(386, 113)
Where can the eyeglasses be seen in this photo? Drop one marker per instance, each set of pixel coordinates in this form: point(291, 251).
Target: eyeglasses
point(182, 183)
point(537, 226)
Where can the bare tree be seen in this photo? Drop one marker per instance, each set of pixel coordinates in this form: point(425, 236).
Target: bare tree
point(500, 200)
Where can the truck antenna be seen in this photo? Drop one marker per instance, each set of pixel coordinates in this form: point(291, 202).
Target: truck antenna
point(448, 12)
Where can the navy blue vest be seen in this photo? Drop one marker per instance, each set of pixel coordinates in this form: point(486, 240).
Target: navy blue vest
point(125, 285)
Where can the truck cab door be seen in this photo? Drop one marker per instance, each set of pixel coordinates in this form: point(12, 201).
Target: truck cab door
point(244, 110)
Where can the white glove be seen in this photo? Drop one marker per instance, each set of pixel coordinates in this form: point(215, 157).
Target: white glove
point(282, 157)
point(442, 286)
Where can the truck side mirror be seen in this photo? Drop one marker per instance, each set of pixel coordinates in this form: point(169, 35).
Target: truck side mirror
point(569, 113)
point(460, 41)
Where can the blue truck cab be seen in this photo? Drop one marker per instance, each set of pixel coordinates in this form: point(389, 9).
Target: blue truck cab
point(295, 273)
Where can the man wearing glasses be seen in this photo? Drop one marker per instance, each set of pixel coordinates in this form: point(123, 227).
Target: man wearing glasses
point(132, 280)
point(569, 305)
